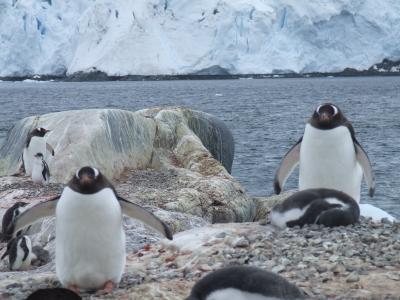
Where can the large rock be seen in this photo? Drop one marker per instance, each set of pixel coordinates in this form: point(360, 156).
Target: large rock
point(195, 146)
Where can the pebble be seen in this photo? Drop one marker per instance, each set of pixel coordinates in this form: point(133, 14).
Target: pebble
point(353, 277)
point(240, 242)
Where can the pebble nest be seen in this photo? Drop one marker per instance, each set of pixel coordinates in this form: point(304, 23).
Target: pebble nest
point(361, 261)
point(355, 262)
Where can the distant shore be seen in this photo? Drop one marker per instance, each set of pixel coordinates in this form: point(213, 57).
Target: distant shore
point(385, 68)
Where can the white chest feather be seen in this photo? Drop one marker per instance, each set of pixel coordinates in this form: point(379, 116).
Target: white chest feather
point(280, 219)
point(235, 294)
point(20, 264)
point(328, 160)
point(90, 241)
point(37, 169)
point(36, 145)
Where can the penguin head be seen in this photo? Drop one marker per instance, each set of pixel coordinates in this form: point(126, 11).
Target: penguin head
point(40, 131)
point(327, 116)
point(88, 180)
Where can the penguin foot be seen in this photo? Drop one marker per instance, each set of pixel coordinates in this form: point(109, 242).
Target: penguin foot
point(107, 288)
point(74, 288)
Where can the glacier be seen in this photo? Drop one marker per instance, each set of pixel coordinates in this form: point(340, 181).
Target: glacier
point(172, 37)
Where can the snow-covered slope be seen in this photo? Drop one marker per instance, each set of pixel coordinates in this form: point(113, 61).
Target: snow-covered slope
point(146, 37)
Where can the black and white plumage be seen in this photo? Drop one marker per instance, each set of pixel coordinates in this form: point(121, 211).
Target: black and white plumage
point(19, 252)
point(54, 294)
point(8, 219)
point(244, 283)
point(329, 156)
point(35, 143)
point(90, 240)
point(316, 206)
point(40, 169)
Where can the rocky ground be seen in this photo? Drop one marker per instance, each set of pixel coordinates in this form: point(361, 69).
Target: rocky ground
point(355, 262)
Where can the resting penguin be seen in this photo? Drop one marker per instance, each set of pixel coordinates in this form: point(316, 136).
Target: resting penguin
point(90, 240)
point(8, 219)
point(329, 156)
point(244, 283)
point(316, 206)
point(19, 252)
point(35, 143)
point(40, 170)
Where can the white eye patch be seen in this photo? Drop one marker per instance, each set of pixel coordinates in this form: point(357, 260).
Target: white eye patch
point(95, 171)
point(335, 110)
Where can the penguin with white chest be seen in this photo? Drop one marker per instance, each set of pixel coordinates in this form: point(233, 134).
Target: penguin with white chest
point(40, 170)
point(35, 143)
point(316, 206)
point(19, 252)
point(329, 156)
point(244, 283)
point(90, 240)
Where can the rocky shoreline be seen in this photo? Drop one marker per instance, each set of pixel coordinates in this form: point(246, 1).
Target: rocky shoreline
point(170, 166)
point(385, 68)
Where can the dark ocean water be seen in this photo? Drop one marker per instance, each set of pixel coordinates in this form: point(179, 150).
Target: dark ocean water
point(266, 117)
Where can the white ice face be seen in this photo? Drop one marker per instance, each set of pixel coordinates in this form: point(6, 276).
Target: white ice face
point(79, 35)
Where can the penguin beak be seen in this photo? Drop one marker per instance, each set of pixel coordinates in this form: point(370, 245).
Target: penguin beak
point(324, 117)
point(86, 181)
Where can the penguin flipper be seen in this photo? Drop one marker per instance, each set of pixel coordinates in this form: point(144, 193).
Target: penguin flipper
point(50, 149)
point(363, 160)
point(137, 212)
point(31, 215)
point(288, 164)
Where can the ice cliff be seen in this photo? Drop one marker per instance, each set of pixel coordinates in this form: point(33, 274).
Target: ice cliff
point(121, 37)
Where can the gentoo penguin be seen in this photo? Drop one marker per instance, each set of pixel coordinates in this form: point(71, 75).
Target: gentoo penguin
point(40, 169)
point(316, 206)
point(8, 219)
point(35, 143)
point(90, 240)
point(244, 283)
point(19, 252)
point(329, 156)
point(54, 294)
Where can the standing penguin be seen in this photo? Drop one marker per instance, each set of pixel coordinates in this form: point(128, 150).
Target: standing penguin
point(90, 240)
point(8, 219)
point(35, 143)
point(19, 252)
point(329, 156)
point(40, 169)
point(244, 283)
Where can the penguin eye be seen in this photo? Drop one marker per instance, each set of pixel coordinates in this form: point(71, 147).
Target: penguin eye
point(77, 174)
point(96, 172)
point(335, 110)
point(317, 110)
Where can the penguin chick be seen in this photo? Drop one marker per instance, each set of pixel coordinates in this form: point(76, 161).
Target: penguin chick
point(40, 170)
point(19, 252)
